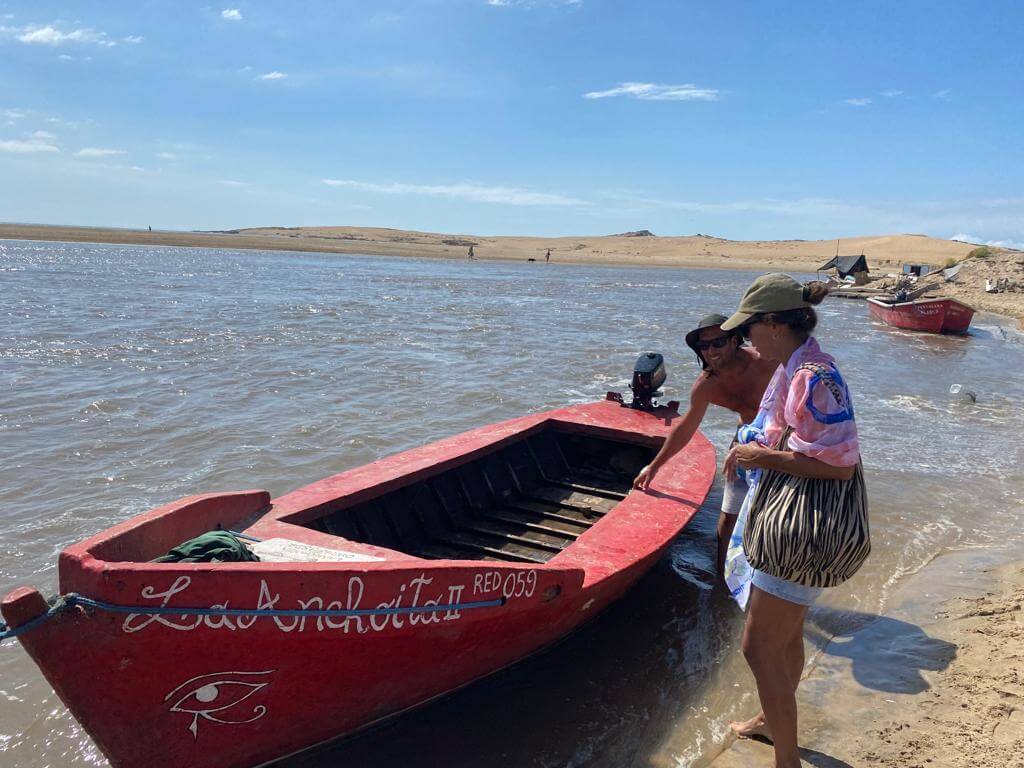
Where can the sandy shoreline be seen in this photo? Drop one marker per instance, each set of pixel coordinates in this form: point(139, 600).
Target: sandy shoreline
point(938, 680)
point(884, 252)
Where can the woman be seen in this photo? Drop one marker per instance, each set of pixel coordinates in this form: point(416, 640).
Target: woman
point(805, 428)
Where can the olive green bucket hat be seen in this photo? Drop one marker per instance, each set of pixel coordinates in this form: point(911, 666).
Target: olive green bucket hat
point(769, 293)
point(708, 321)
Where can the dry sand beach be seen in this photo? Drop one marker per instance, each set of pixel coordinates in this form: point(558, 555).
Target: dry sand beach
point(936, 682)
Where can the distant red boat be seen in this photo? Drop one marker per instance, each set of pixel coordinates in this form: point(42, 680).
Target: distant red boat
point(940, 315)
point(430, 569)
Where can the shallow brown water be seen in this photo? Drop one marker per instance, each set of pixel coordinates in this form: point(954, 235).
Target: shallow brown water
point(133, 376)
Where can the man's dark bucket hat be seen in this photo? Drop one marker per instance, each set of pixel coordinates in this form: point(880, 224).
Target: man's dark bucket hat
point(708, 321)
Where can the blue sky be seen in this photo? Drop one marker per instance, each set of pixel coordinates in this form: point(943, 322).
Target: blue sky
point(754, 120)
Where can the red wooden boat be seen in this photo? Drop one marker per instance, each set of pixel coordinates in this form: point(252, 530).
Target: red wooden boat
point(430, 569)
point(939, 315)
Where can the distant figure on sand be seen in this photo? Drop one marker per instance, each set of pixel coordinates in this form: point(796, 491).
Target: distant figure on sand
point(547, 256)
point(732, 377)
point(470, 256)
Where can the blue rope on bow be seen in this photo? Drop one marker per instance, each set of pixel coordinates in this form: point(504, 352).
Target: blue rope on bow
point(65, 602)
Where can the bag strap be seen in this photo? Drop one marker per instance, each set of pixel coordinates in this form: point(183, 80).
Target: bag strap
point(783, 443)
point(825, 375)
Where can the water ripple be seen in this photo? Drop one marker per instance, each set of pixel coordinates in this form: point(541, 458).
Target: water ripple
point(134, 376)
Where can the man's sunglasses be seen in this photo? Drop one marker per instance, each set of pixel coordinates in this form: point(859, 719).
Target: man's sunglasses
point(716, 343)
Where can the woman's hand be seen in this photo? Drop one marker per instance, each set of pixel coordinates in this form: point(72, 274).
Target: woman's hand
point(746, 456)
point(644, 478)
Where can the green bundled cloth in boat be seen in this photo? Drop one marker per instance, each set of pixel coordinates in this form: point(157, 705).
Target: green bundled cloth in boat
point(212, 547)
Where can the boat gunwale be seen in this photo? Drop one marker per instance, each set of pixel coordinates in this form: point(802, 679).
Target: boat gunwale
point(596, 574)
point(642, 523)
point(931, 300)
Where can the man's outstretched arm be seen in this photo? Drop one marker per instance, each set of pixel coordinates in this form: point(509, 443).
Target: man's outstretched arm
point(679, 436)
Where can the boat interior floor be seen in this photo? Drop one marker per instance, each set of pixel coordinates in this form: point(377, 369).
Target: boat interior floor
point(523, 503)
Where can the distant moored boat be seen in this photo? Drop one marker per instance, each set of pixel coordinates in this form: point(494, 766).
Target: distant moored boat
point(938, 315)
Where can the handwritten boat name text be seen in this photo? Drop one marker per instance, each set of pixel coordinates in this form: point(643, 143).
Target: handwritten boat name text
point(416, 593)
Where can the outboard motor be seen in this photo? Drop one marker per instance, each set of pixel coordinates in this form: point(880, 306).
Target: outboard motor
point(648, 375)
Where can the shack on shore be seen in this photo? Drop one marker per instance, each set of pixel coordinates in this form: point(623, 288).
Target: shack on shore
point(845, 266)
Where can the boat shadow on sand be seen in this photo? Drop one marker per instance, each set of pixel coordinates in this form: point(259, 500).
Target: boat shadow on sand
point(618, 692)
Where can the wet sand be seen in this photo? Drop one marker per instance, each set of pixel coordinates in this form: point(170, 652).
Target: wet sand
point(938, 680)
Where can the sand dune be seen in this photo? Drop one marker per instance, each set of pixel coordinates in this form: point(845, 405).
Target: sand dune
point(633, 249)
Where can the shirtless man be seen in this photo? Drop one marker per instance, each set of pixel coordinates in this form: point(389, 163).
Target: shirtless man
point(734, 377)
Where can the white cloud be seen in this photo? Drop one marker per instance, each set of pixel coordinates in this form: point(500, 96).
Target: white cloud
point(132, 39)
point(943, 94)
point(975, 240)
point(531, 3)
point(656, 92)
point(43, 136)
point(51, 35)
point(857, 102)
point(103, 169)
point(166, 155)
point(472, 192)
point(231, 14)
point(27, 147)
point(808, 206)
point(14, 114)
point(233, 183)
point(99, 152)
point(65, 57)
point(891, 93)
point(272, 76)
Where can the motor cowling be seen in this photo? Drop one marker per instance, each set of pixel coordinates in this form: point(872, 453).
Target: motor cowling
point(648, 376)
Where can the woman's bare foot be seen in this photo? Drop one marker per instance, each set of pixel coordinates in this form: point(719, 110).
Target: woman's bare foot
point(755, 727)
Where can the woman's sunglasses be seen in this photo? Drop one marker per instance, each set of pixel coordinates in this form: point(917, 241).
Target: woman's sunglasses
point(716, 343)
point(744, 329)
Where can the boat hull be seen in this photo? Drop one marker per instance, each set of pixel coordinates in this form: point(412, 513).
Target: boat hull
point(928, 315)
point(220, 691)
